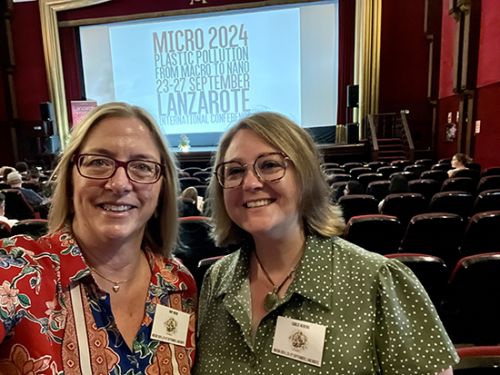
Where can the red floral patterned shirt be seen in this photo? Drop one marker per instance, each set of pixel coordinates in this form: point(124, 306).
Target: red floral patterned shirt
point(37, 333)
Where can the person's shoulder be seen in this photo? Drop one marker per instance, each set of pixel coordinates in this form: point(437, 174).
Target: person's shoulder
point(356, 255)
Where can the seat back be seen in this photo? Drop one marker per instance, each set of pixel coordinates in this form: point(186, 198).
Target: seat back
point(471, 173)
point(478, 360)
point(482, 234)
point(427, 163)
point(366, 178)
point(350, 165)
point(438, 234)
point(491, 171)
point(189, 181)
point(195, 241)
point(386, 171)
point(487, 200)
point(488, 183)
point(355, 172)
point(473, 300)
point(192, 170)
point(16, 206)
point(377, 233)
point(459, 184)
point(426, 187)
point(357, 204)
point(403, 205)
point(379, 189)
point(441, 166)
point(31, 227)
point(4, 230)
point(457, 202)
point(415, 168)
point(430, 270)
point(435, 174)
point(203, 176)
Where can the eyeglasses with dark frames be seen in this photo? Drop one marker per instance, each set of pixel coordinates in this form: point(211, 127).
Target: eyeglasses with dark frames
point(268, 167)
point(101, 167)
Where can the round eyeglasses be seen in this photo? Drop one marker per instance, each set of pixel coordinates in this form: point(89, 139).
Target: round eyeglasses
point(100, 167)
point(269, 167)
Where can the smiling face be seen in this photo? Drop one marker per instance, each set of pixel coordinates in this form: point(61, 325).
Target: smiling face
point(263, 209)
point(115, 209)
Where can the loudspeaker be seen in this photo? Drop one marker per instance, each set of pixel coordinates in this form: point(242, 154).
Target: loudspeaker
point(352, 133)
point(47, 111)
point(352, 96)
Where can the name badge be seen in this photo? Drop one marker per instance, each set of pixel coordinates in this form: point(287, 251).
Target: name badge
point(299, 340)
point(170, 326)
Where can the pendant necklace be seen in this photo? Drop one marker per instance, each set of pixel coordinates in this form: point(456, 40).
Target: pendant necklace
point(116, 284)
point(272, 298)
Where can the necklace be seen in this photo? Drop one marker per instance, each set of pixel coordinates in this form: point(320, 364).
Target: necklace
point(116, 284)
point(272, 298)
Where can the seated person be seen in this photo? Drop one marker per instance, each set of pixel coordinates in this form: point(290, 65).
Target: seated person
point(354, 187)
point(458, 161)
point(399, 184)
point(188, 202)
point(15, 180)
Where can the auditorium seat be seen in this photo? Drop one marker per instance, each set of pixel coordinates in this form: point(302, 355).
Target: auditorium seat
point(32, 227)
point(435, 174)
point(488, 183)
point(471, 305)
point(202, 268)
point(401, 163)
point(330, 165)
point(379, 189)
point(403, 205)
point(192, 170)
point(374, 165)
point(430, 270)
point(203, 176)
point(482, 234)
point(487, 200)
point(339, 177)
point(459, 184)
point(195, 241)
point(438, 234)
point(334, 171)
point(478, 360)
point(377, 233)
point(4, 229)
point(366, 178)
point(357, 204)
point(471, 173)
point(387, 170)
point(427, 163)
point(491, 171)
point(426, 187)
point(17, 207)
point(458, 202)
point(352, 164)
point(406, 174)
point(415, 168)
point(355, 172)
point(441, 167)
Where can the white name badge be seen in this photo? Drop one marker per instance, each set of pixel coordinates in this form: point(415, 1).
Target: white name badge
point(299, 340)
point(170, 326)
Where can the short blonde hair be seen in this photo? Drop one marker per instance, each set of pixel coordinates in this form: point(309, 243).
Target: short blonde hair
point(161, 230)
point(319, 216)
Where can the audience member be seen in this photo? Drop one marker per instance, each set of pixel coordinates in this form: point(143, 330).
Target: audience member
point(15, 180)
point(101, 294)
point(188, 202)
point(458, 161)
point(11, 222)
point(296, 294)
point(398, 184)
point(22, 168)
point(5, 173)
point(354, 187)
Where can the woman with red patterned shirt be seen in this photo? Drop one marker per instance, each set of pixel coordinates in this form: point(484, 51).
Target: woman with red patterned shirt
point(100, 293)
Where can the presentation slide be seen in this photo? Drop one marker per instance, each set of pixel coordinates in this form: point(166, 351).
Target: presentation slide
point(199, 75)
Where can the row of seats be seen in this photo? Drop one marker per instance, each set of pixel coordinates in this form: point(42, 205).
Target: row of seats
point(445, 235)
point(32, 227)
point(406, 205)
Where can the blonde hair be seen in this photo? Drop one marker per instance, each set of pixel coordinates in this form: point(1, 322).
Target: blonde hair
point(161, 230)
point(318, 214)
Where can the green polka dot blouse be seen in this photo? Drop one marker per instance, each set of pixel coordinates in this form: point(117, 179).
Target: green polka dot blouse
point(378, 318)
